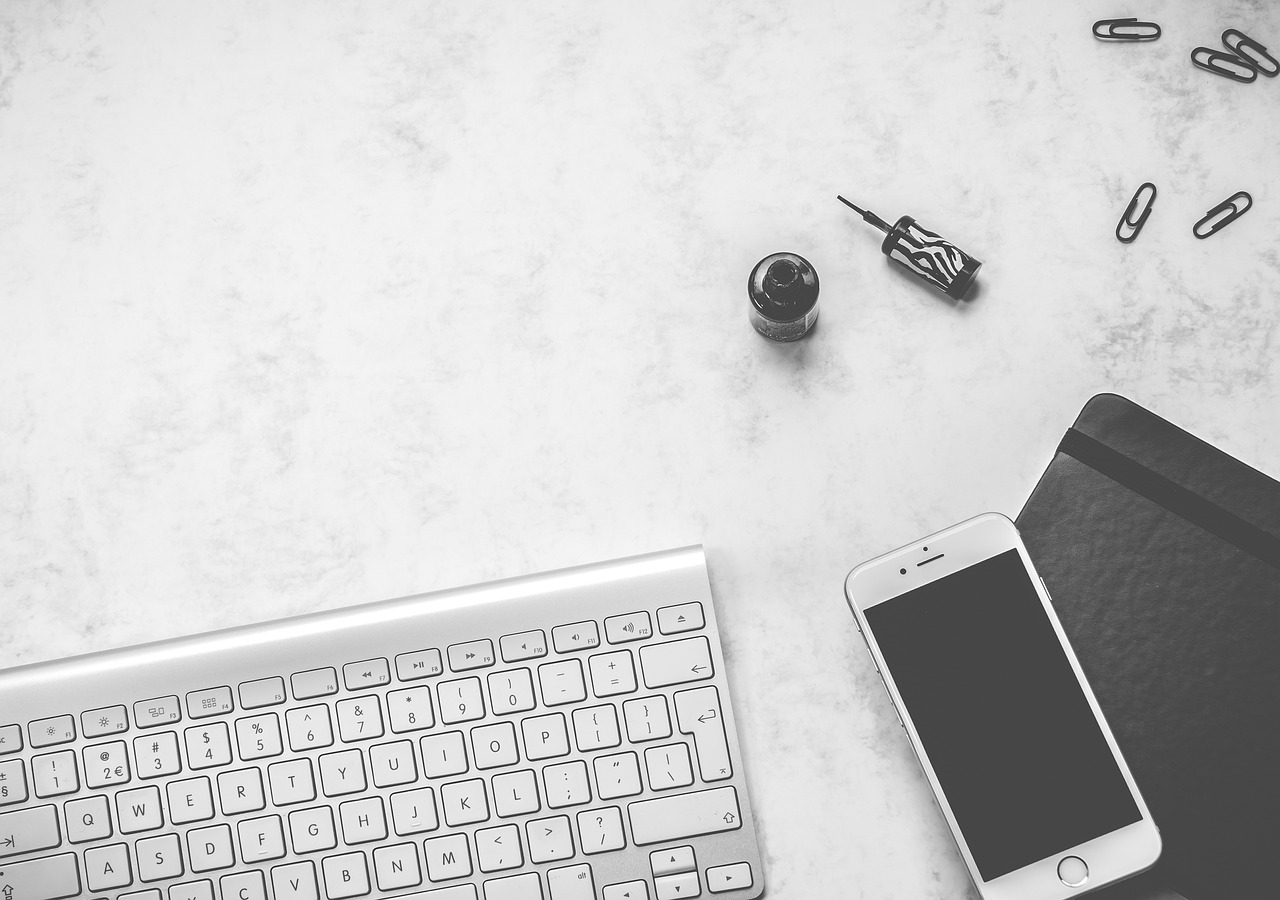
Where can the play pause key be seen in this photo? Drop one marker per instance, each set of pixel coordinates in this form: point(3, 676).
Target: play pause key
point(729, 878)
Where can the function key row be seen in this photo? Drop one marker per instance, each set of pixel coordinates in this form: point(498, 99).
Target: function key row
point(361, 675)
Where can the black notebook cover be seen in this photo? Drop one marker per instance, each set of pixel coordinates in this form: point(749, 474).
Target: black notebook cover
point(1162, 556)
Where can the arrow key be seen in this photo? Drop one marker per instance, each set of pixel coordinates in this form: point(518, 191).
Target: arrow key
point(672, 861)
point(627, 890)
point(729, 878)
point(677, 887)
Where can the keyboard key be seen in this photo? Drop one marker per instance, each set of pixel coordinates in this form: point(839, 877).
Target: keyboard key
point(241, 791)
point(498, 849)
point(366, 674)
point(511, 691)
point(207, 745)
point(627, 890)
point(698, 713)
point(243, 886)
point(88, 819)
point(410, 709)
point(291, 782)
point(676, 662)
point(108, 867)
point(55, 773)
point(515, 793)
point(362, 821)
point(549, 839)
point(192, 890)
point(209, 849)
point(617, 775)
point(677, 887)
point(566, 784)
point(190, 800)
point(631, 627)
point(27, 830)
point(447, 857)
point(261, 839)
point(418, 664)
point(672, 860)
point(309, 728)
point(258, 737)
point(209, 702)
point(55, 730)
point(464, 802)
point(13, 782)
point(263, 692)
point(596, 727)
point(139, 810)
point(612, 673)
point(157, 711)
point(677, 619)
point(314, 683)
point(346, 875)
point(545, 736)
point(413, 812)
point(360, 719)
point(312, 829)
point(50, 878)
point(157, 754)
point(296, 881)
point(471, 655)
point(103, 721)
point(562, 682)
point(684, 815)
point(460, 701)
point(601, 830)
point(444, 754)
point(733, 877)
point(106, 764)
point(647, 719)
point(10, 739)
point(578, 636)
point(525, 645)
point(494, 745)
point(159, 857)
point(668, 766)
point(513, 887)
point(571, 883)
point(342, 773)
point(393, 764)
point(396, 867)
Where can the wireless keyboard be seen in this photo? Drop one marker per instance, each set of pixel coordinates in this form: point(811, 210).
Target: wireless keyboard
point(565, 736)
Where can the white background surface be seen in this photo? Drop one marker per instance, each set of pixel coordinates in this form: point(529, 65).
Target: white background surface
point(306, 305)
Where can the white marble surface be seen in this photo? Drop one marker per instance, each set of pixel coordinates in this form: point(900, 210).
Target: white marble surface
point(305, 305)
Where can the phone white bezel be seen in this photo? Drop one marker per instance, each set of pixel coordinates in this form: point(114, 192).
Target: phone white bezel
point(1110, 857)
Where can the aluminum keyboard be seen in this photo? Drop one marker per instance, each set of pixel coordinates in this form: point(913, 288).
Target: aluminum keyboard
point(565, 736)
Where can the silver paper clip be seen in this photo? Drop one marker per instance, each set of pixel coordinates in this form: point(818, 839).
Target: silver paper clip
point(1229, 206)
point(1228, 65)
point(1119, 30)
point(1127, 222)
point(1242, 43)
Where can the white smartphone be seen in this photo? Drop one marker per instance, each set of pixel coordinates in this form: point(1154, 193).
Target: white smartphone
point(995, 705)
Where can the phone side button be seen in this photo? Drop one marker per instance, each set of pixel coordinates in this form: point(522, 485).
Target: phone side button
point(1072, 871)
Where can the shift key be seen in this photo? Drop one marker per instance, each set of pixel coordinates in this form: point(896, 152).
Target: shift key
point(676, 662)
point(41, 879)
point(684, 816)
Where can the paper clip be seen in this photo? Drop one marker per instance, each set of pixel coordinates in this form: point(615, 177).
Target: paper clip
point(1127, 221)
point(1245, 42)
point(1114, 30)
point(1228, 204)
point(1209, 60)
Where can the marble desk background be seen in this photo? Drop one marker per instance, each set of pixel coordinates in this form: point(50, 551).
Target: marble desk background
point(305, 305)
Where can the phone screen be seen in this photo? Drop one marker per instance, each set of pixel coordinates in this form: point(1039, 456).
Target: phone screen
point(1007, 729)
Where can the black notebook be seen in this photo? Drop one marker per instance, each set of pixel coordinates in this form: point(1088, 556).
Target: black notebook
point(1162, 557)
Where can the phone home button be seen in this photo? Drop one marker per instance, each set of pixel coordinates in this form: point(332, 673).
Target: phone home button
point(1073, 871)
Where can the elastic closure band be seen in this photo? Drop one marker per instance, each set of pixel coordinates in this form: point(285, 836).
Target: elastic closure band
point(1172, 496)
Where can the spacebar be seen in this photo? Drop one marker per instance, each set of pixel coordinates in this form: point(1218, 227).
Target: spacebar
point(685, 815)
point(41, 879)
